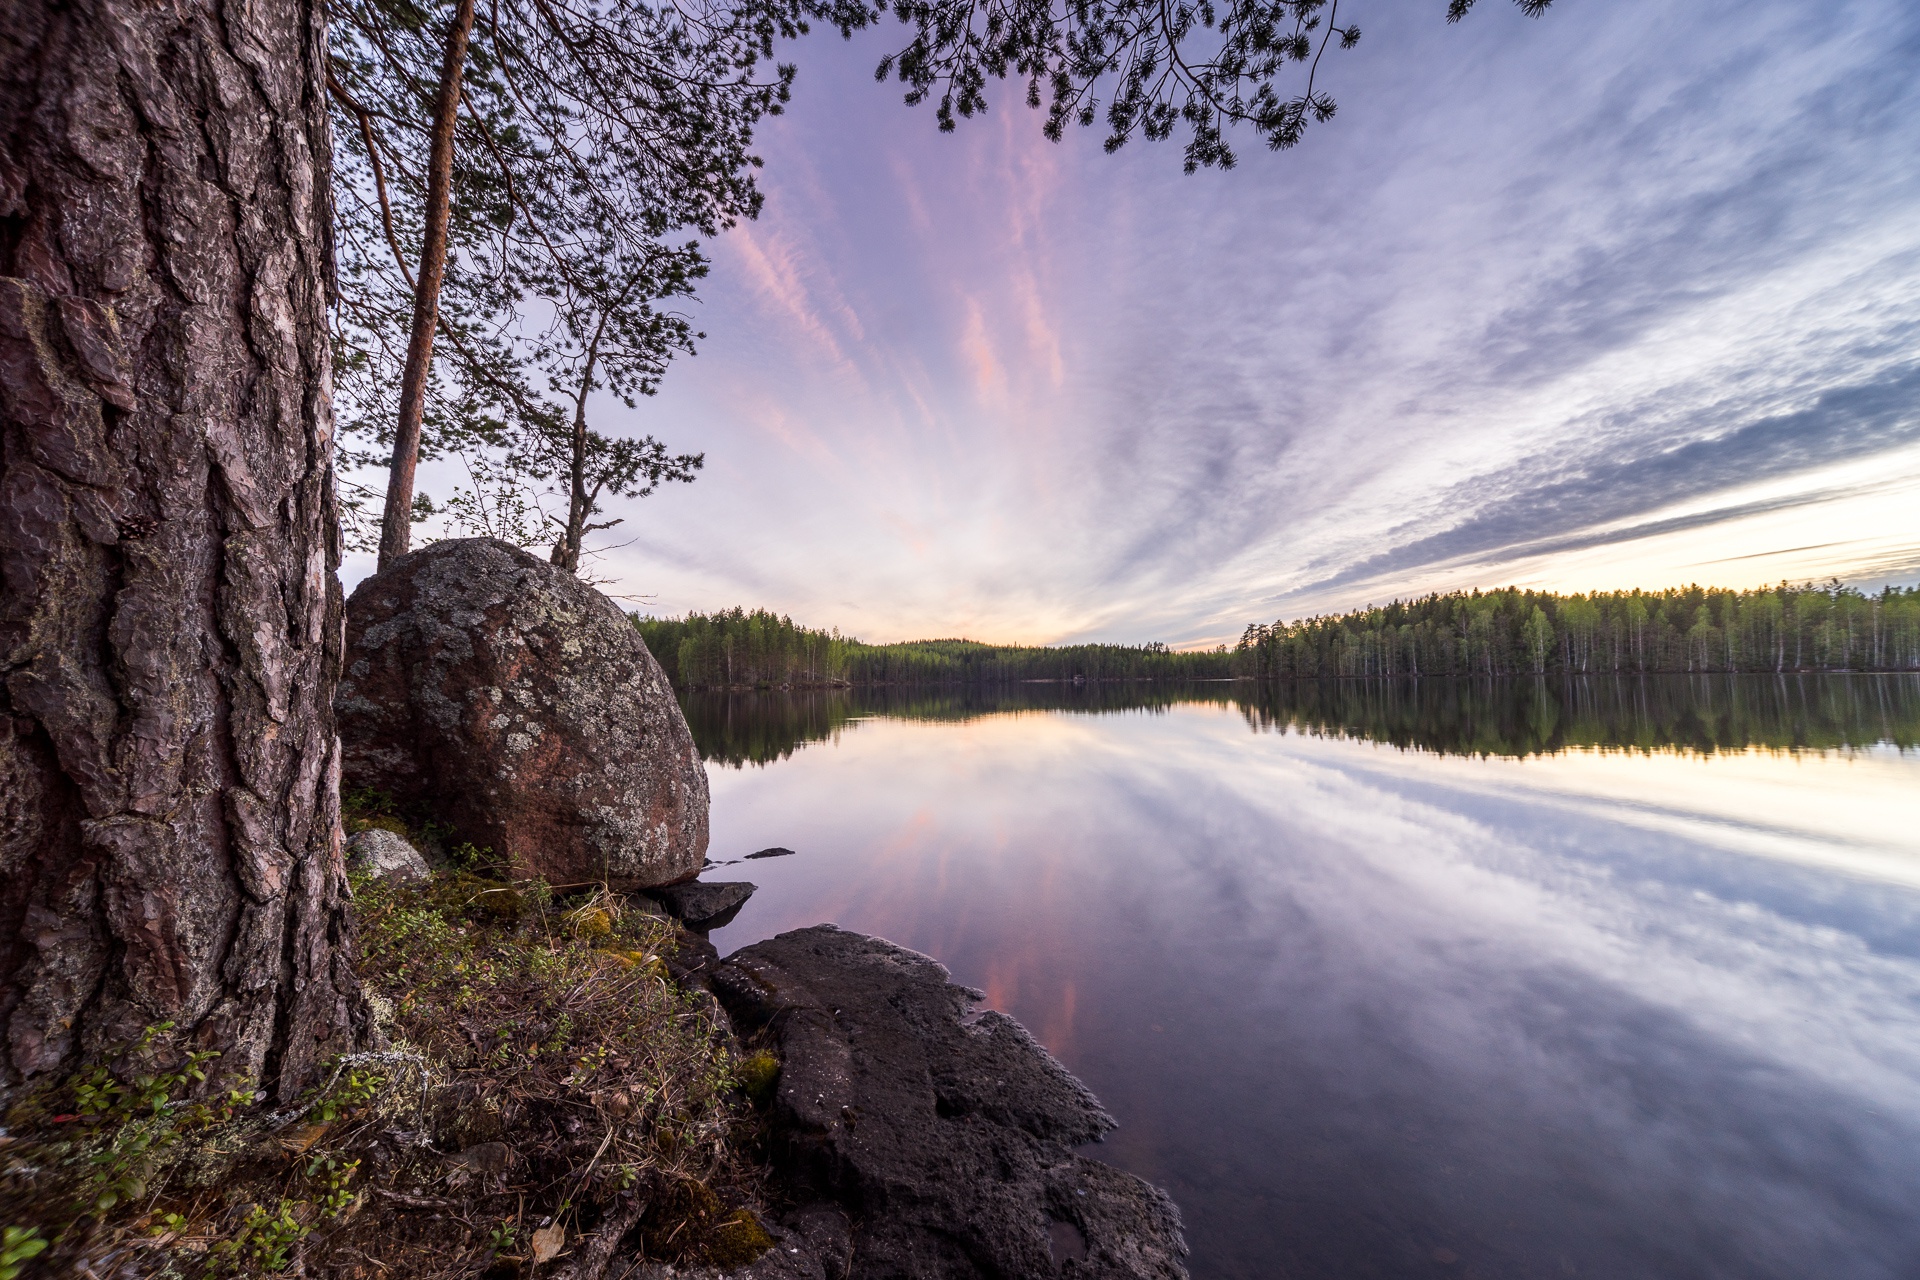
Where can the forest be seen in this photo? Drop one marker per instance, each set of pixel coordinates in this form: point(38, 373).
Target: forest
point(1512, 632)
point(1485, 633)
point(734, 648)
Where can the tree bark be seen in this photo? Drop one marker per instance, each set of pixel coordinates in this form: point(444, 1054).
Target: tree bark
point(396, 526)
point(170, 629)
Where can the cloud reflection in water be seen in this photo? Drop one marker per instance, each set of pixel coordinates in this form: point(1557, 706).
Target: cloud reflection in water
point(1364, 1010)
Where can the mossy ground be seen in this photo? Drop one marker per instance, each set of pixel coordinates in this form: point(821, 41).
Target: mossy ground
point(543, 1071)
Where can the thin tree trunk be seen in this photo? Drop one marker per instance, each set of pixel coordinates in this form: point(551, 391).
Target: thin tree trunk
point(170, 626)
point(396, 526)
point(567, 553)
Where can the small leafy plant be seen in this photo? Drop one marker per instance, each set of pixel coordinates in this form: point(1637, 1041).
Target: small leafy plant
point(17, 1246)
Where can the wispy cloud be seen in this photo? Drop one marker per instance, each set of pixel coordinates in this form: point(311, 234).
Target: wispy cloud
point(1630, 290)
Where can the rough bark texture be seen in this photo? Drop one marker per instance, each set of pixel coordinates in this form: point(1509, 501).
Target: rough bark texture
point(946, 1136)
point(514, 702)
point(169, 631)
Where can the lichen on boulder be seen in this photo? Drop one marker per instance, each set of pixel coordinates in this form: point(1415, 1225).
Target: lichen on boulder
point(386, 854)
point(519, 704)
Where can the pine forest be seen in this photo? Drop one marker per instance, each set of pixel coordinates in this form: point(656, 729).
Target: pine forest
point(1480, 633)
point(1513, 632)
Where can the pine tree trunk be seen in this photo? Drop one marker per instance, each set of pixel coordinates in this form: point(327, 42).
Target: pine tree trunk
point(396, 524)
point(170, 629)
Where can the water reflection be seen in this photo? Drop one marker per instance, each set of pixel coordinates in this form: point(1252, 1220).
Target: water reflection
point(1700, 714)
point(737, 729)
point(1374, 1012)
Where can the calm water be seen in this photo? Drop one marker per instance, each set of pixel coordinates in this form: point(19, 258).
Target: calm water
point(1620, 979)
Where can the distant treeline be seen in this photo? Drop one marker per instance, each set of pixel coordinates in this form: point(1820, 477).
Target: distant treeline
point(1483, 633)
point(1513, 632)
point(735, 649)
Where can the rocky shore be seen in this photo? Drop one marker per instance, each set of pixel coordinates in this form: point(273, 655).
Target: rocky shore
point(908, 1135)
point(913, 1136)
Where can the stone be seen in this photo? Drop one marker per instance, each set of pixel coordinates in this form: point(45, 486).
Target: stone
point(775, 852)
point(518, 705)
point(385, 854)
point(704, 905)
point(946, 1135)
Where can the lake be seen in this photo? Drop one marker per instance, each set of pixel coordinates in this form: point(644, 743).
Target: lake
point(1609, 978)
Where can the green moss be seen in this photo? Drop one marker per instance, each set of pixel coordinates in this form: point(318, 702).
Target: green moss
point(476, 899)
point(688, 1225)
point(591, 923)
point(737, 1239)
point(758, 1074)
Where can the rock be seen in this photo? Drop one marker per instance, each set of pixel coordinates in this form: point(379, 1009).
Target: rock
point(691, 960)
point(385, 854)
point(704, 905)
point(520, 706)
point(946, 1135)
point(775, 852)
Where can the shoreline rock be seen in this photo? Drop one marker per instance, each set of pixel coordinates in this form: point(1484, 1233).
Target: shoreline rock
point(939, 1139)
point(703, 905)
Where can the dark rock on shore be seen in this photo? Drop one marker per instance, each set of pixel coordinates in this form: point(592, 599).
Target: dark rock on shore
point(775, 852)
point(941, 1137)
point(515, 702)
point(703, 905)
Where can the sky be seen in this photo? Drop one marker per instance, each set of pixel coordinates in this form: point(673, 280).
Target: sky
point(1626, 295)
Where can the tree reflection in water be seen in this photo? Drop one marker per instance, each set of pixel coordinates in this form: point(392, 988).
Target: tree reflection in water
point(1497, 717)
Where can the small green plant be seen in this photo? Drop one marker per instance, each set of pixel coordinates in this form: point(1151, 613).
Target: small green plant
point(122, 1169)
point(96, 1093)
point(17, 1245)
point(466, 857)
point(145, 1113)
point(353, 1090)
point(504, 1236)
point(264, 1242)
point(101, 1093)
point(537, 895)
point(337, 1176)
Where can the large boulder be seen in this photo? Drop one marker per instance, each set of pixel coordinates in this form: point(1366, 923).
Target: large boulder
point(512, 701)
point(943, 1137)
